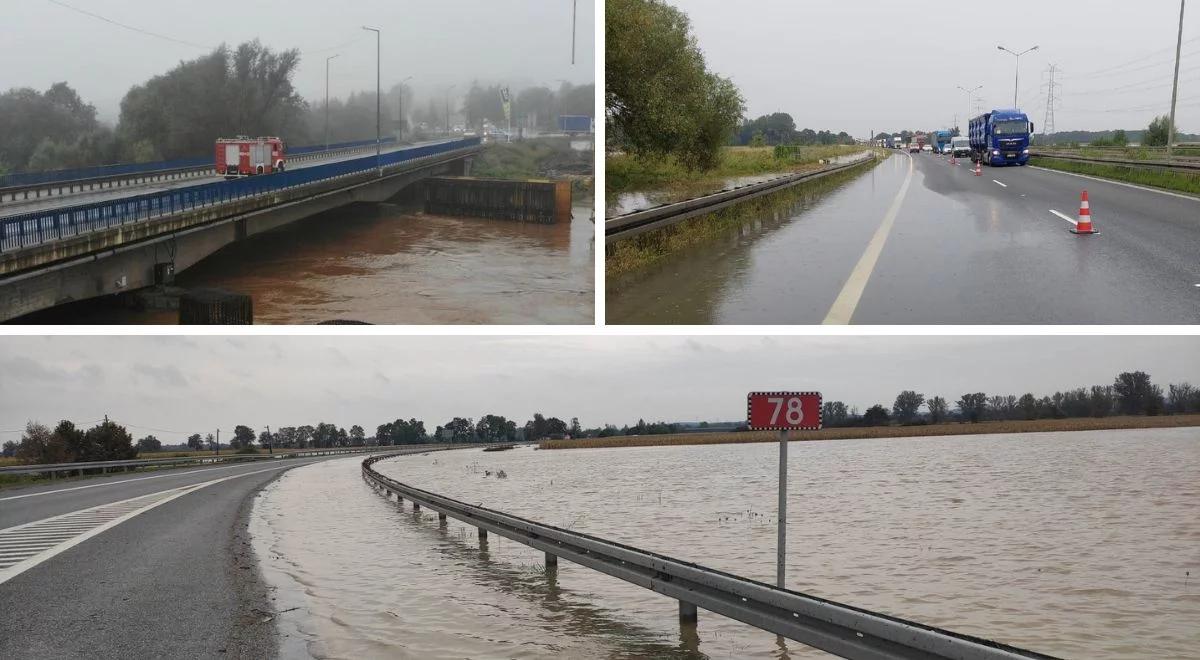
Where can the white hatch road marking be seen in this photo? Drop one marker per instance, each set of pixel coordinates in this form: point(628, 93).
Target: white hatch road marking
point(1064, 217)
point(847, 301)
point(1002, 185)
point(31, 543)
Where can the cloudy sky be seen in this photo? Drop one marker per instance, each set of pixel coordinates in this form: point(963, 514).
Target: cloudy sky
point(174, 386)
point(861, 64)
point(438, 42)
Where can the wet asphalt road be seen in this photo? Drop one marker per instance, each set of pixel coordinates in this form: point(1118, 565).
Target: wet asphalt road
point(179, 580)
point(960, 249)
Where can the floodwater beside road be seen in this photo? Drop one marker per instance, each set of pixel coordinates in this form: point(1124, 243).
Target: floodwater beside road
point(1073, 544)
point(388, 264)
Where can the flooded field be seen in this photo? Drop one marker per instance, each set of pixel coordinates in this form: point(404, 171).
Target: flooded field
point(388, 264)
point(1073, 544)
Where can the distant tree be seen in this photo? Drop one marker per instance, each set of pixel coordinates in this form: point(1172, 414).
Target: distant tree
point(243, 436)
point(110, 441)
point(1119, 138)
point(211, 442)
point(38, 446)
point(574, 429)
point(937, 409)
point(9, 450)
point(1156, 133)
point(908, 404)
point(1136, 395)
point(876, 415)
point(1028, 405)
point(1100, 400)
point(461, 429)
point(834, 413)
point(266, 439)
point(358, 436)
point(195, 442)
point(972, 406)
point(1182, 398)
point(149, 444)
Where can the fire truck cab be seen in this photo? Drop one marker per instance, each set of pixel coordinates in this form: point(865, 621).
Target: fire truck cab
point(247, 156)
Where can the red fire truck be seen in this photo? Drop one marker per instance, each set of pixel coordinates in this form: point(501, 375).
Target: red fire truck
point(247, 156)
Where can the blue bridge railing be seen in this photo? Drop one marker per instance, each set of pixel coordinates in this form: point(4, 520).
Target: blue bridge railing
point(37, 227)
point(99, 171)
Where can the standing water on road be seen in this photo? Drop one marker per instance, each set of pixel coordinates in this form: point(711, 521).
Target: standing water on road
point(386, 263)
point(1074, 544)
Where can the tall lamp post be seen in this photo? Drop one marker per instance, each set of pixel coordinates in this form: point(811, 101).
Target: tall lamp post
point(327, 99)
point(1175, 84)
point(1017, 79)
point(400, 119)
point(378, 132)
point(448, 109)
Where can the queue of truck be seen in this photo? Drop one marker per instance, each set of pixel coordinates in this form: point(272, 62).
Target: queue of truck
point(995, 138)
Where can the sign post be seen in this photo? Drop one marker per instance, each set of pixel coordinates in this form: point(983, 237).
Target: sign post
point(783, 412)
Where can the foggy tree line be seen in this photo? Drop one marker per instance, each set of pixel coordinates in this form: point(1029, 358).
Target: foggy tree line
point(779, 128)
point(246, 90)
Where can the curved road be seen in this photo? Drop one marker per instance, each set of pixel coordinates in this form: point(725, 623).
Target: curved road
point(917, 240)
point(148, 565)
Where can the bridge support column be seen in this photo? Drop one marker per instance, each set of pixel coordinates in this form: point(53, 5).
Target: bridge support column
point(442, 519)
point(483, 535)
point(416, 507)
point(551, 561)
point(687, 612)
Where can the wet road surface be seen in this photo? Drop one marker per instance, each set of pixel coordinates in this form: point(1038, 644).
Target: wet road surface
point(959, 249)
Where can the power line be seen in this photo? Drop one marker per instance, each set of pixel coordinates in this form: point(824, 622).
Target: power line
point(128, 27)
point(1157, 53)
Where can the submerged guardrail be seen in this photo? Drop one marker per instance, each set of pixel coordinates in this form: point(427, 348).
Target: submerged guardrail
point(54, 469)
point(37, 227)
point(637, 222)
point(844, 630)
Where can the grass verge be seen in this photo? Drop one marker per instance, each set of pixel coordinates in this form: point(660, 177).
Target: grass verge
point(624, 172)
point(1012, 426)
point(626, 258)
point(1185, 182)
point(543, 158)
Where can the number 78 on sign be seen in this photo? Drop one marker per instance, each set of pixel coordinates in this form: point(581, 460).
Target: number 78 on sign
point(783, 411)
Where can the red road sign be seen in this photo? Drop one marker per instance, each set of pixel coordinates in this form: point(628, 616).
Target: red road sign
point(781, 411)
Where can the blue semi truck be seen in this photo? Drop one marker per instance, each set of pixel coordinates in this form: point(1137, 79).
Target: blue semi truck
point(1000, 137)
point(941, 139)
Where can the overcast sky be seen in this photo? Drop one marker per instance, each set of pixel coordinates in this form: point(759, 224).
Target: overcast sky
point(174, 386)
point(438, 42)
point(859, 65)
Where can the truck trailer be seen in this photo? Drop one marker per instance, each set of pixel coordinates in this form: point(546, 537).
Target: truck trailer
point(247, 156)
point(1000, 137)
point(575, 124)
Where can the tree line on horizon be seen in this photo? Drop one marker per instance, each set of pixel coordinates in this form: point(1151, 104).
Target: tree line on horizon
point(245, 90)
point(1131, 393)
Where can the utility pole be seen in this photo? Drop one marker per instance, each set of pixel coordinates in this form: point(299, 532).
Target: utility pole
point(1175, 85)
point(1048, 122)
point(378, 101)
point(574, 11)
point(270, 442)
point(327, 99)
point(781, 524)
point(1017, 80)
point(217, 444)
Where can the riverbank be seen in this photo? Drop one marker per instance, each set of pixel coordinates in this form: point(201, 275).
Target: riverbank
point(624, 173)
point(1187, 182)
point(1010, 426)
point(540, 158)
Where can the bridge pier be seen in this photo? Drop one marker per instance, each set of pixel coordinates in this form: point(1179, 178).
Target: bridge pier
point(551, 561)
point(416, 507)
point(687, 613)
point(483, 535)
point(442, 519)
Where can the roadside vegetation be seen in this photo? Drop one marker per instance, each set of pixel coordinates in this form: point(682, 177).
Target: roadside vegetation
point(626, 259)
point(958, 428)
point(626, 172)
point(1178, 181)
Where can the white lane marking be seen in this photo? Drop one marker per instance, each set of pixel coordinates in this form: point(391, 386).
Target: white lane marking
point(847, 301)
point(122, 481)
point(1118, 183)
point(122, 511)
point(999, 184)
point(1064, 217)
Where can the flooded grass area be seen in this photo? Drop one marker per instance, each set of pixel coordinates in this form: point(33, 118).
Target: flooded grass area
point(1038, 540)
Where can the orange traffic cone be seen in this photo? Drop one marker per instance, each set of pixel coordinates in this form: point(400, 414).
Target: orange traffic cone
point(1084, 226)
point(953, 160)
point(978, 168)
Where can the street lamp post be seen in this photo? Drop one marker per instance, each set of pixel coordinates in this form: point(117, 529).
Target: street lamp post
point(400, 119)
point(378, 132)
point(1017, 79)
point(327, 99)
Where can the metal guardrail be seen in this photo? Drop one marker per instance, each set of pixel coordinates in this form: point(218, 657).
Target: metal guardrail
point(844, 630)
point(193, 167)
point(21, 179)
point(1189, 165)
point(54, 469)
point(637, 222)
point(38, 227)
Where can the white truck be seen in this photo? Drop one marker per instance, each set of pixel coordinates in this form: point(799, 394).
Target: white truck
point(960, 146)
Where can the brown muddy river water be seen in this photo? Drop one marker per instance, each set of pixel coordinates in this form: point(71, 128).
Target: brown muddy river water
point(1072, 544)
point(387, 264)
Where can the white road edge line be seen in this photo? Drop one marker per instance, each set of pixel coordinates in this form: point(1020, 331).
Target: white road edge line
point(1117, 183)
point(1064, 217)
point(1002, 185)
point(16, 569)
point(847, 301)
